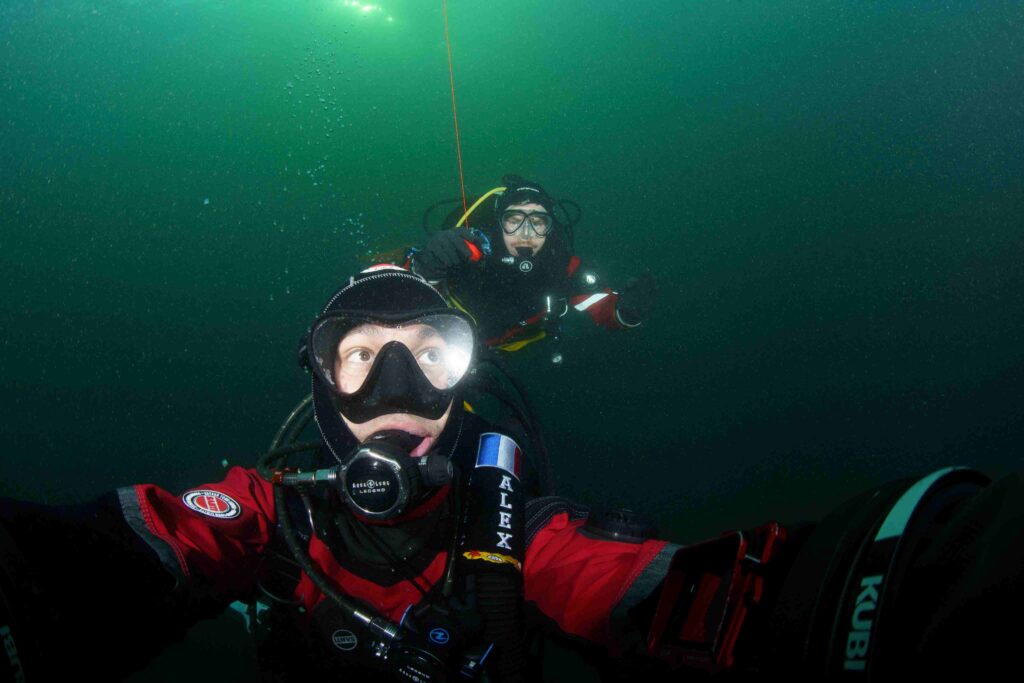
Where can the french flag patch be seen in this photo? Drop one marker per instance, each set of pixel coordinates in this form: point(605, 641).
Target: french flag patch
point(498, 450)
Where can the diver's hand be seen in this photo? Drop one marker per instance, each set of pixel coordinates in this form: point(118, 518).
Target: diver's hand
point(637, 299)
point(447, 253)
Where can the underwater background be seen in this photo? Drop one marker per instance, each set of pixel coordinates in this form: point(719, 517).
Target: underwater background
point(831, 195)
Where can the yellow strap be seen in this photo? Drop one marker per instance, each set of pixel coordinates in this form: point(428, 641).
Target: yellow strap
point(458, 304)
point(495, 558)
point(476, 204)
point(516, 345)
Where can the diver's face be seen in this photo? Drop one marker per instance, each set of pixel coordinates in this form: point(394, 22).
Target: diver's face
point(359, 348)
point(524, 236)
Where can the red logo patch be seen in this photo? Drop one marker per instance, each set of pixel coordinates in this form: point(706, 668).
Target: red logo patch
point(212, 504)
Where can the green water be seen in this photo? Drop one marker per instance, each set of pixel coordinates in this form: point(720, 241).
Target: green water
point(831, 195)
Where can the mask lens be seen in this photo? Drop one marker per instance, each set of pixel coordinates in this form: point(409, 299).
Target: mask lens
point(539, 221)
point(345, 350)
point(447, 349)
point(512, 220)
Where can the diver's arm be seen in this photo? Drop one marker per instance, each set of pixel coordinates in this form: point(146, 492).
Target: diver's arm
point(612, 310)
point(651, 603)
point(104, 586)
point(588, 294)
point(585, 584)
point(84, 594)
point(215, 533)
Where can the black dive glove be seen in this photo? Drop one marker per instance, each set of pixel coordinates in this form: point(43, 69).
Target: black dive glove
point(446, 253)
point(637, 299)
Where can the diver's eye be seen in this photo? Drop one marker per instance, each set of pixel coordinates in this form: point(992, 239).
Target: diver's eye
point(429, 356)
point(514, 218)
point(539, 220)
point(359, 356)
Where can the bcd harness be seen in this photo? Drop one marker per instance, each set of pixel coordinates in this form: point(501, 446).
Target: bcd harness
point(469, 618)
point(545, 323)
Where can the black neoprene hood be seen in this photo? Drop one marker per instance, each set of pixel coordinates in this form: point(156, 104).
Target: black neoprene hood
point(388, 292)
point(520, 191)
point(385, 294)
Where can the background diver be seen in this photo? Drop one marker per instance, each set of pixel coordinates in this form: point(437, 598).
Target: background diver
point(406, 549)
point(516, 273)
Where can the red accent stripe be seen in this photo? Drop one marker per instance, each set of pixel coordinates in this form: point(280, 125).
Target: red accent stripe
point(514, 331)
point(574, 263)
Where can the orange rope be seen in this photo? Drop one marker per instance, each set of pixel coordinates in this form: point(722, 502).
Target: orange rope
point(455, 112)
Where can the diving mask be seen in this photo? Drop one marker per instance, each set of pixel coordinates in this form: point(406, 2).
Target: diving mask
point(540, 222)
point(386, 364)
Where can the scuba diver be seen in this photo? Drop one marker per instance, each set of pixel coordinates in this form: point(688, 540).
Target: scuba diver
point(517, 275)
point(406, 549)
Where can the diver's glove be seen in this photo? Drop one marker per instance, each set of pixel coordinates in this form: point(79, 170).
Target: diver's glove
point(637, 299)
point(447, 253)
